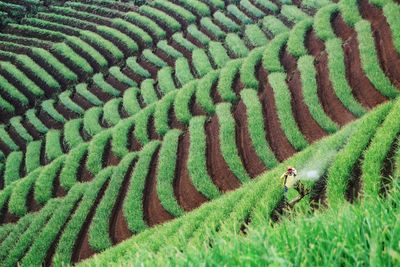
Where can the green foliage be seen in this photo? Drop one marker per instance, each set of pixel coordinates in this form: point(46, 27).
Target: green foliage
point(182, 103)
point(203, 92)
point(130, 101)
point(156, 14)
point(350, 11)
point(99, 41)
point(48, 107)
point(91, 121)
point(6, 106)
point(169, 50)
point(255, 36)
point(218, 54)
point(72, 135)
point(15, 122)
point(236, 46)
point(148, 92)
point(133, 30)
point(197, 7)
point(391, 11)
point(121, 77)
point(228, 23)
point(322, 22)
point(213, 29)
point(53, 147)
point(6, 139)
point(133, 204)
point(227, 139)
point(271, 59)
point(293, 13)
point(66, 52)
point(10, 90)
point(65, 99)
point(176, 9)
point(136, 68)
point(120, 135)
point(201, 62)
point(284, 110)
point(255, 125)
point(226, 79)
point(44, 183)
point(152, 58)
point(198, 35)
point(166, 173)
point(32, 155)
point(238, 14)
point(370, 61)
point(197, 162)
point(104, 86)
point(142, 121)
point(182, 41)
point(162, 111)
point(89, 51)
point(73, 161)
point(146, 23)
point(111, 111)
point(296, 42)
point(12, 167)
point(252, 9)
point(308, 75)
point(182, 71)
point(337, 75)
point(249, 67)
point(34, 120)
point(96, 151)
point(165, 80)
point(339, 174)
point(82, 90)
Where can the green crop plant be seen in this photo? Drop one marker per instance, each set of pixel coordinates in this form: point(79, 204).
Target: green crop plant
point(142, 120)
point(308, 75)
point(390, 11)
point(182, 71)
point(322, 22)
point(136, 68)
point(165, 80)
point(159, 15)
point(15, 122)
point(386, 135)
point(17, 204)
point(10, 90)
point(12, 167)
point(6, 106)
point(197, 7)
point(370, 61)
point(66, 244)
point(285, 114)
point(226, 80)
point(63, 70)
point(203, 92)
point(6, 139)
point(250, 8)
point(274, 25)
point(337, 75)
point(267, 5)
point(146, 23)
point(340, 170)
point(66, 52)
point(130, 101)
point(198, 35)
point(148, 91)
point(43, 34)
point(96, 39)
point(48, 107)
point(176, 9)
point(44, 183)
point(19, 76)
point(82, 90)
point(152, 58)
point(295, 43)
point(236, 46)
point(200, 62)
point(182, 103)
point(226, 21)
point(255, 124)
point(197, 162)
point(315, 3)
point(32, 155)
point(255, 36)
point(249, 68)
point(111, 111)
point(271, 60)
point(72, 136)
point(53, 147)
point(121, 38)
point(132, 30)
point(104, 86)
point(166, 172)
point(380, 3)
point(350, 11)
point(218, 54)
point(91, 121)
point(120, 135)
point(213, 29)
point(227, 139)
point(169, 50)
point(17, 249)
point(293, 13)
point(183, 42)
point(89, 52)
point(65, 99)
point(133, 203)
point(73, 161)
point(42, 242)
point(35, 121)
point(96, 151)
point(121, 77)
point(238, 14)
point(162, 110)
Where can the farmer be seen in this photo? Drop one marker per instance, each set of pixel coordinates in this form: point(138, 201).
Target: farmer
point(289, 180)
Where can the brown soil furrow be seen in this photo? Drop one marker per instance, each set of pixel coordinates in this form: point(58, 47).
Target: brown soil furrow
point(318, 193)
point(16, 137)
point(275, 135)
point(354, 182)
point(363, 89)
point(58, 190)
point(388, 57)
point(219, 171)
point(82, 249)
point(154, 212)
point(388, 167)
point(31, 203)
point(116, 84)
point(308, 126)
point(63, 110)
point(333, 107)
point(185, 192)
point(251, 161)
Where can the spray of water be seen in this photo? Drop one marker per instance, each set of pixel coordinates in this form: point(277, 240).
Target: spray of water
point(316, 165)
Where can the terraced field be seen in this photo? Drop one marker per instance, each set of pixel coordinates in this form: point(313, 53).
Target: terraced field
point(118, 117)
